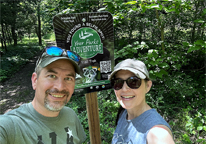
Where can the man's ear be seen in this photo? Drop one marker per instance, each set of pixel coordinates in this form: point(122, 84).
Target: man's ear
point(148, 85)
point(34, 80)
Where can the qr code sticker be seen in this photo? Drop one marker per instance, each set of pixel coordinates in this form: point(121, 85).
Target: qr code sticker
point(105, 66)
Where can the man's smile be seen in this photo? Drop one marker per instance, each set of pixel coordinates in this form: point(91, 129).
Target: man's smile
point(57, 96)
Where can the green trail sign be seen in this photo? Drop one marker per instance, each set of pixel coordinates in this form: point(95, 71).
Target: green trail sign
point(87, 43)
point(91, 36)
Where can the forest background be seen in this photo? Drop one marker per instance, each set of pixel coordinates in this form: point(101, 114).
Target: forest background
point(168, 35)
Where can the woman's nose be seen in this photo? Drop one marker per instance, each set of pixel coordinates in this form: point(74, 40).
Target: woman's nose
point(125, 87)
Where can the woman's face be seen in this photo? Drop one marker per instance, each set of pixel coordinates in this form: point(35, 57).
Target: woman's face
point(131, 98)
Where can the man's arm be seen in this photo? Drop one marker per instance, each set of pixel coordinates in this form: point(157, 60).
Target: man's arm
point(5, 126)
point(3, 137)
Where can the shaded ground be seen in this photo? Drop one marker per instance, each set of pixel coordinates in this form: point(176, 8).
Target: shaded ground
point(18, 89)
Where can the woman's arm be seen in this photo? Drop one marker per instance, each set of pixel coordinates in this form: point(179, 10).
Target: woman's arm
point(160, 135)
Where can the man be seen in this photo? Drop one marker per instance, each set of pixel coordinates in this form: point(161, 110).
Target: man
point(46, 120)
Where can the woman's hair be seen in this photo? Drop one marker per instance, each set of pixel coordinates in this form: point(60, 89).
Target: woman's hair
point(121, 109)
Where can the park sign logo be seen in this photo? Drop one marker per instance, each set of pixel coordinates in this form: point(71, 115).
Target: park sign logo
point(91, 36)
point(87, 43)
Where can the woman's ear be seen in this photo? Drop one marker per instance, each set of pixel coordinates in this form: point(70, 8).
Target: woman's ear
point(34, 80)
point(148, 85)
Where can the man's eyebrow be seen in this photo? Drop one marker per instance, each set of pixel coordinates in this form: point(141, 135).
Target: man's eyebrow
point(73, 75)
point(51, 71)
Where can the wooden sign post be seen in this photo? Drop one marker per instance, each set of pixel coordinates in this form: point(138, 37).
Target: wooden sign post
point(93, 117)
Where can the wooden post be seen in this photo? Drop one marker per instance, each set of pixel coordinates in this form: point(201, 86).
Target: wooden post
point(93, 117)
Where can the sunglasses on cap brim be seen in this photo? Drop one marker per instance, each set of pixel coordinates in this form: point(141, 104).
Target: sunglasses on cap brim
point(58, 52)
point(133, 82)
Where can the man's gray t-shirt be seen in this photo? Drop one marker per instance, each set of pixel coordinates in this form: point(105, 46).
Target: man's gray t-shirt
point(25, 125)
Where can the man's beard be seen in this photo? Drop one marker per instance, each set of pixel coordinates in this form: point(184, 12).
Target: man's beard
point(57, 105)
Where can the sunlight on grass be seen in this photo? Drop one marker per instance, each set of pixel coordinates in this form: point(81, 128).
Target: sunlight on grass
point(50, 37)
point(17, 56)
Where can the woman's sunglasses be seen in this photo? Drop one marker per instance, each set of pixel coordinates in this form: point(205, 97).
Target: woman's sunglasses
point(57, 52)
point(133, 82)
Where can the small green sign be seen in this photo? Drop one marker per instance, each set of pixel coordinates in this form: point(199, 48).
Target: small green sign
point(87, 43)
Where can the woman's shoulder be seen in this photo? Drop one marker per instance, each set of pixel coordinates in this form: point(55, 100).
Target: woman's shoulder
point(152, 116)
point(149, 119)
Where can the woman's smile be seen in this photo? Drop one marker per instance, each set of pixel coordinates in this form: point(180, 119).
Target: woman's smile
point(127, 97)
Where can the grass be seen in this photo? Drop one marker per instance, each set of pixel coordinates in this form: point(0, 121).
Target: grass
point(50, 37)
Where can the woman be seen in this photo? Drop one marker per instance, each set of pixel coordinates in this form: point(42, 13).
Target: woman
point(137, 122)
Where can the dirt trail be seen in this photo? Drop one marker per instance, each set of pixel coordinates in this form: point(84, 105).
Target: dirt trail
point(18, 89)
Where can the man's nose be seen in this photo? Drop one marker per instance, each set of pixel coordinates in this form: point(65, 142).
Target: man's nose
point(60, 84)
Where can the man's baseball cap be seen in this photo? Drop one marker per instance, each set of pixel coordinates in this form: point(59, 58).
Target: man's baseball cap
point(135, 66)
point(46, 59)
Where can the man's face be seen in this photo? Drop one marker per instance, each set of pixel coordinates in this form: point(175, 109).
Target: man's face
point(54, 86)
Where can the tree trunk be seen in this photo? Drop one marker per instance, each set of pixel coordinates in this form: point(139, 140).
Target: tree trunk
point(194, 25)
point(14, 35)
point(8, 35)
point(39, 24)
point(161, 27)
point(13, 26)
point(162, 37)
point(3, 37)
point(140, 31)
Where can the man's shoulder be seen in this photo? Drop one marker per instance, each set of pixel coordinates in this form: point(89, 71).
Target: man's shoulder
point(6, 121)
point(14, 114)
point(69, 114)
point(68, 110)
point(22, 109)
point(4, 117)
